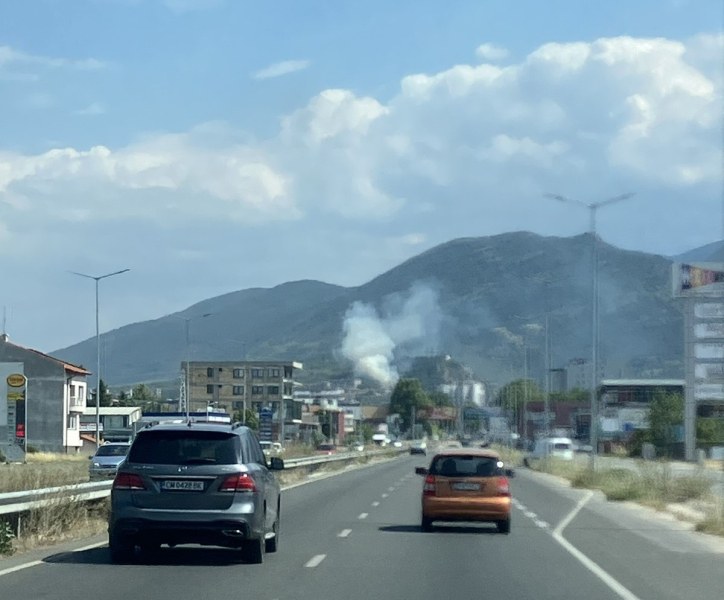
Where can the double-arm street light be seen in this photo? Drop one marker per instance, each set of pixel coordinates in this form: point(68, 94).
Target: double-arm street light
point(97, 278)
point(593, 209)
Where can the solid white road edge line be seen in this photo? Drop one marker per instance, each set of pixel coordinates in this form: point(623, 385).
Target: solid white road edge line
point(612, 583)
point(20, 567)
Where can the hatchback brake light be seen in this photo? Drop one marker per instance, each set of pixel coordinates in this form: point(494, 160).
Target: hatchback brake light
point(128, 481)
point(503, 487)
point(428, 488)
point(239, 482)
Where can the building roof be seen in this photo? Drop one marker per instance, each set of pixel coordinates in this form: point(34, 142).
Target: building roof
point(642, 382)
point(111, 410)
point(75, 369)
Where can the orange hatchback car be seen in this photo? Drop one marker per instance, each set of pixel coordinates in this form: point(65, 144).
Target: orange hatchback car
point(466, 484)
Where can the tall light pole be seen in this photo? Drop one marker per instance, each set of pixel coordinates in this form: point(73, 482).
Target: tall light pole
point(593, 209)
point(97, 278)
point(187, 377)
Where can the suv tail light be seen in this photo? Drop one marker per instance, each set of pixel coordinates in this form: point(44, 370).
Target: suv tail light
point(428, 488)
point(503, 487)
point(239, 482)
point(128, 481)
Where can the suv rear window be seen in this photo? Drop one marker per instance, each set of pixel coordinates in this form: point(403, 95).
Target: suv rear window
point(184, 448)
point(561, 446)
point(465, 466)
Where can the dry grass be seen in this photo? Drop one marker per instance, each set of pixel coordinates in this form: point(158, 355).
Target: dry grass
point(713, 522)
point(38, 474)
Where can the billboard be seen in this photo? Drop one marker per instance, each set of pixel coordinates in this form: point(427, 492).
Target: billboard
point(689, 279)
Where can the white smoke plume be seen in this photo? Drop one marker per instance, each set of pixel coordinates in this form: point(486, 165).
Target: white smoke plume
point(409, 324)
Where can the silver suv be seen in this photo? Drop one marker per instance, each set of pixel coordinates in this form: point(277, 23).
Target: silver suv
point(195, 483)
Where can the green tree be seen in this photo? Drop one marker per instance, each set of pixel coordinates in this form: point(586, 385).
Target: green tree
point(251, 421)
point(440, 399)
point(105, 395)
point(513, 395)
point(666, 413)
point(408, 394)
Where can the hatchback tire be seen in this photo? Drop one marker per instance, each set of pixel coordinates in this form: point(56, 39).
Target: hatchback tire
point(503, 526)
point(253, 551)
point(426, 524)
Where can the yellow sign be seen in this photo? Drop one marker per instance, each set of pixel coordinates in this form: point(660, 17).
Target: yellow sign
point(16, 380)
point(15, 396)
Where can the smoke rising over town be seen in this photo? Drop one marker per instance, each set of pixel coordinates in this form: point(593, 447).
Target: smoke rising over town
point(407, 324)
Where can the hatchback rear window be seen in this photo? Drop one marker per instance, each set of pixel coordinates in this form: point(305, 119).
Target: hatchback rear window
point(184, 448)
point(465, 466)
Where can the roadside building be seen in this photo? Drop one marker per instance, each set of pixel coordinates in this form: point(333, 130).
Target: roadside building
point(45, 412)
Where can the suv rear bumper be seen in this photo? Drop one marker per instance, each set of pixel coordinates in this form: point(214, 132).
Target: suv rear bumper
point(223, 532)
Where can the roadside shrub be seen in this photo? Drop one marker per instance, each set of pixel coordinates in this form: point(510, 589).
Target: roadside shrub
point(6, 539)
point(2, 457)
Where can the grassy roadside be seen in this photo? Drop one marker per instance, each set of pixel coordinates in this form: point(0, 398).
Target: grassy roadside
point(688, 497)
point(43, 470)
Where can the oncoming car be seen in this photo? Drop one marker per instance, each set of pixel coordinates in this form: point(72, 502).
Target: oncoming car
point(466, 484)
point(196, 483)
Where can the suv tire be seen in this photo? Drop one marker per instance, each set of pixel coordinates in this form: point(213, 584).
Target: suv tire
point(253, 551)
point(121, 550)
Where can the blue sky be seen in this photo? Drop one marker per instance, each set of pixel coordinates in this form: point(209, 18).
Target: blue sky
point(214, 145)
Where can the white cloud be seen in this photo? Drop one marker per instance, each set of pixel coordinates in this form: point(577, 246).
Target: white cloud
point(92, 110)
point(11, 57)
point(281, 68)
point(491, 52)
point(477, 142)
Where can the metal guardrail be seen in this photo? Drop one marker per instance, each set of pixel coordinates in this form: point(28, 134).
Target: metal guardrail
point(17, 502)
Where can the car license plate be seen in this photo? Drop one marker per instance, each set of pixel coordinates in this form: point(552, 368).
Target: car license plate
point(466, 487)
point(184, 485)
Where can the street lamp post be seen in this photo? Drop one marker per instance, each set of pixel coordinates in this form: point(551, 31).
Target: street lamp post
point(187, 377)
point(593, 208)
point(97, 278)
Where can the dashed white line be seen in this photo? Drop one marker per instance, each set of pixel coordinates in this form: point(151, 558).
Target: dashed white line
point(315, 560)
point(541, 524)
point(375, 503)
point(390, 489)
point(529, 514)
point(363, 516)
point(344, 533)
point(385, 495)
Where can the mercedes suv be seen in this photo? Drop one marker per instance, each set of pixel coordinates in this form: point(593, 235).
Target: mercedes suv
point(195, 483)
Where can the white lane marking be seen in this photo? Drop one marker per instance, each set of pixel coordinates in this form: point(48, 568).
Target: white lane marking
point(315, 560)
point(91, 547)
point(344, 533)
point(612, 583)
point(390, 489)
point(541, 524)
point(375, 503)
point(20, 567)
point(363, 516)
point(529, 514)
point(385, 495)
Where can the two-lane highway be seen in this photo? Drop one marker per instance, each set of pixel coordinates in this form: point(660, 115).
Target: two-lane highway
point(356, 536)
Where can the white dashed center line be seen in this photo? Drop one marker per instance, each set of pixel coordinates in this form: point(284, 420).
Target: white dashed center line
point(390, 489)
point(315, 560)
point(363, 516)
point(344, 533)
point(375, 503)
point(385, 495)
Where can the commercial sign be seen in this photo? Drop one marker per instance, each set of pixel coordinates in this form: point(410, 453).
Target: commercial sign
point(688, 278)
point(265, 424)
point(16, 380)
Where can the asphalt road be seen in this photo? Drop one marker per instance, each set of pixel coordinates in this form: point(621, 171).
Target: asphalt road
point(356, 536)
